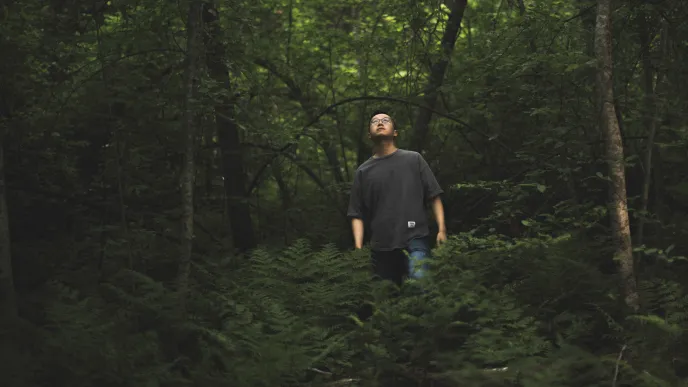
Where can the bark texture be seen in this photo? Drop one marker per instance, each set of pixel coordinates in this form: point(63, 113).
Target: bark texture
point(618, 205)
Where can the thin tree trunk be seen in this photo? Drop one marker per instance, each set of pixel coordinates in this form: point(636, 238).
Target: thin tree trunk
point(333, 160)
point(8, 305)
point(651, 118)
point(521, 7)
point(451, 32)
point(188, 168)
point(119, 141)
point(233, 170)
point(618, 206)
point(522, 13)
point(342, 148)
point(658, 207)
point(332, 154)
point(121, 189)
point(587, 21)
point(588, 26)
point(285, 195)
point(363, 151)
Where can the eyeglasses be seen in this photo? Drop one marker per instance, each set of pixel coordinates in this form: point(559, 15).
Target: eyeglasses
point(383, 120)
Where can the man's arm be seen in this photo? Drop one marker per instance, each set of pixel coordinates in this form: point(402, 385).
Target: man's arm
point(357, 228)
point(438, 210)
point(355, 211)
point(433, 191)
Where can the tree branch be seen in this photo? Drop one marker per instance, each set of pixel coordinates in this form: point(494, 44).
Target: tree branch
point(295, 91)
point(291, 157)
point(292, 144)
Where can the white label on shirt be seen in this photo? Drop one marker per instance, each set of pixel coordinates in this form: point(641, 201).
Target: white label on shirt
point(411, 224)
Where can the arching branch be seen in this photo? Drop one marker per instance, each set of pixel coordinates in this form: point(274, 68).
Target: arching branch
point(292, 144)
point(288, 155)
point(308, 106)
point(299, 163)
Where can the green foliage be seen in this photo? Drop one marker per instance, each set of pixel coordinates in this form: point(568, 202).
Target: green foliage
point(526, 295)
point(492, 313)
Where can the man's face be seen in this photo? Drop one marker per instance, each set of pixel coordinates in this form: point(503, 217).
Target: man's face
point(381, 127)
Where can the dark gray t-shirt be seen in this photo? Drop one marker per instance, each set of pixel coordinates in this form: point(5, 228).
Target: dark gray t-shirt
point(390, 194)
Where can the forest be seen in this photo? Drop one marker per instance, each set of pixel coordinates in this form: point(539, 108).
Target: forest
point(175, 175)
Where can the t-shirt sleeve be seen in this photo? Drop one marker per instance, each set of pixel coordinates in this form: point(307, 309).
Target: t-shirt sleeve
point(356, 198)
point(430, 186)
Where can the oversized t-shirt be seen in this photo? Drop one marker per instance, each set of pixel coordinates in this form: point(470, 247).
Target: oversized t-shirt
point(390, 194)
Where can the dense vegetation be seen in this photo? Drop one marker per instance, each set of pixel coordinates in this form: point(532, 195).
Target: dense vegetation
point(174, 179)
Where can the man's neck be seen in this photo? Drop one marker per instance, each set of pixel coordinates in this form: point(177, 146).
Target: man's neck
point(383, 148)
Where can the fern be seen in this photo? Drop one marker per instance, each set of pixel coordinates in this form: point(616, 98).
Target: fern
point(493, 312)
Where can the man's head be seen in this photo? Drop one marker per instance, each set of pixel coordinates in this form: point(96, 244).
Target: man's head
point(381, 126)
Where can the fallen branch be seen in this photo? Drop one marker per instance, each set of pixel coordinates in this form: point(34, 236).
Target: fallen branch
point(341, 382)
point(320, 371)
point(618, 362)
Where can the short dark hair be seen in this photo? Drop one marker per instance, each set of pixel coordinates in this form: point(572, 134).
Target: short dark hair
point(380, 111)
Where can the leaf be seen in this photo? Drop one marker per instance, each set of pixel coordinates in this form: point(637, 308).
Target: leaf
point(571, 67)
point(541, 188)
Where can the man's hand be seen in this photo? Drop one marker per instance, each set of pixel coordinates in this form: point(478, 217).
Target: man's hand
point(441, 237)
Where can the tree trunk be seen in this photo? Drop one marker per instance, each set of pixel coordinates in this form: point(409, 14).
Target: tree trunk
point(451, 32)
point(521, 7)
point(587, 21)
point(651, 114)
point(233, 170)
point(618, 205)
point(333, 160)
point(363, 151)
point(285, 195)
point(188, 167)
point(8, 306)
point(587, 18)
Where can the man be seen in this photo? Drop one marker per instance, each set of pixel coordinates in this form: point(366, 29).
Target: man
point(389, 195)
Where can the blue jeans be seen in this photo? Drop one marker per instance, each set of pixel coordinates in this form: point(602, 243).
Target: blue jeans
point(395, 265)
point(418, 251)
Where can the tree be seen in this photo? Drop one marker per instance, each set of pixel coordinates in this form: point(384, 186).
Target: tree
point(652, 108)
point(618, 202)
point(188, 171)
point(437, 71)
point(233, 169)
point(7, 297)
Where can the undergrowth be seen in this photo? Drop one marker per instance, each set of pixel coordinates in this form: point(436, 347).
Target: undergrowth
point(493, 312)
